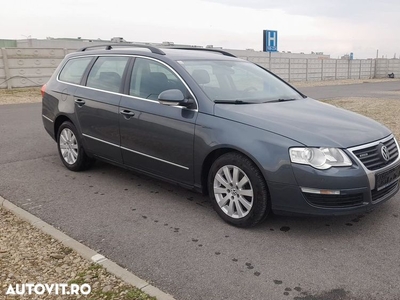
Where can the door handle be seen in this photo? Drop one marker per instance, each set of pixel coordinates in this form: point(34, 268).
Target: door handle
point(80, 102)
point(127, 113)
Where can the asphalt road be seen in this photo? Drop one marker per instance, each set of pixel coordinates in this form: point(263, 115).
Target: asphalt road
point(172, 237)
point(371, 90)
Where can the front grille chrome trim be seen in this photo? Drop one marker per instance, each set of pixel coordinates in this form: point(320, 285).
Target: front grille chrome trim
point(371, 156)
point(371, 174)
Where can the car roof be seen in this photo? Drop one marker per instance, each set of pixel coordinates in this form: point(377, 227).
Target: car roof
point(172, 53)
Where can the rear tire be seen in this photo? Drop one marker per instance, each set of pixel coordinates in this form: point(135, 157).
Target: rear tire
point(70, 148)
point(238, 190)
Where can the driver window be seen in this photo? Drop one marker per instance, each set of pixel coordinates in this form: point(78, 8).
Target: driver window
point(150, 78)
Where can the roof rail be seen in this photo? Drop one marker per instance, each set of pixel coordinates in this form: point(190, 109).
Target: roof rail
point(203, 49)
point(132, 45)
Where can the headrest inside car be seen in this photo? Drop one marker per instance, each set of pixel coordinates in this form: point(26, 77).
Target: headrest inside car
point(201, 76)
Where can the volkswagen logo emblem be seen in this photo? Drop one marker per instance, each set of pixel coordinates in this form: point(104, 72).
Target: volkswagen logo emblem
point(385, 153)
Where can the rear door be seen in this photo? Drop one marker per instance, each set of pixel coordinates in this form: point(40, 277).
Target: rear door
point(96, 106)
point(156, 138)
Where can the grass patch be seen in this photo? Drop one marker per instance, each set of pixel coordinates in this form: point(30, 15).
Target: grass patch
point(385, 111)
point(95, 267)
point(20, 91)
point(79, 281)
point(96, 272)
point(122, 293)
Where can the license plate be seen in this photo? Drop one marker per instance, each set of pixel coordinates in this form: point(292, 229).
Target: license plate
point(388, 177)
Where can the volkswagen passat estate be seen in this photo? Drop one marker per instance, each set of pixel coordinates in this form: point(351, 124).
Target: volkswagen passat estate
point(224, 126)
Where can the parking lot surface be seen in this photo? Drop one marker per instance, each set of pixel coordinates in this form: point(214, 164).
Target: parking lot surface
point(172, 237)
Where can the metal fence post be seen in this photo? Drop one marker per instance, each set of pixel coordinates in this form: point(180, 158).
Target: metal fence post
point(6, 68)
point(270, 62)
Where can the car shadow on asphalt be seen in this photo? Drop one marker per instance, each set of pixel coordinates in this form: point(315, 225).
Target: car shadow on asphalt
point(305, 225)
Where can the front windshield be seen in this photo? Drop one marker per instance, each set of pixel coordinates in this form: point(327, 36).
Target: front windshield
point(238, 81)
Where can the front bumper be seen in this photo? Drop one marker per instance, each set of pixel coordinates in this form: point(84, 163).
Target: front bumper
point(336, 191)
point(290, 199)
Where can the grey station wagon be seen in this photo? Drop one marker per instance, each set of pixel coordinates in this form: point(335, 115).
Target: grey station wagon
point(212, 122)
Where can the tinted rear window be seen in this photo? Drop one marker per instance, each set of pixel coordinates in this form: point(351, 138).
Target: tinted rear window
point(74, 69)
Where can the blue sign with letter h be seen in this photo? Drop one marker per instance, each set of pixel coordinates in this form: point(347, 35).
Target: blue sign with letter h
point(270, 41)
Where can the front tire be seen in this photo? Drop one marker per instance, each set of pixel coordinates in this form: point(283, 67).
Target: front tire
point(70, 148)
point(238, 190)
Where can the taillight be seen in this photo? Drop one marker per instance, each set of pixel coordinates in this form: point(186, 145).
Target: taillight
point(43, 90)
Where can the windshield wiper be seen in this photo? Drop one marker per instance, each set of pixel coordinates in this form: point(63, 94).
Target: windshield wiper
point(288, 99)
point(233, 102)
point(281, 100)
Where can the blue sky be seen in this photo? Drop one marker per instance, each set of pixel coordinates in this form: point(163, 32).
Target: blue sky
point(333, 27)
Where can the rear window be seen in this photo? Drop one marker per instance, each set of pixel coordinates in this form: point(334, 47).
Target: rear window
point(74, 69)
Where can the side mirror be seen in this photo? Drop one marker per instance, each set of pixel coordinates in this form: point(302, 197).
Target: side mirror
point(174, 97)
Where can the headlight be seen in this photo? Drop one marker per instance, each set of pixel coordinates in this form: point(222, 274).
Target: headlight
point(319, 158)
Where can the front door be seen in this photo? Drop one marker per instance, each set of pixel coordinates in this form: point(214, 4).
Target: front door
point(156, 138)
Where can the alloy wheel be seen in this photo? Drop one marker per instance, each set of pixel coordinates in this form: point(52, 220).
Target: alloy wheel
point(233, 191)
point(68, 146)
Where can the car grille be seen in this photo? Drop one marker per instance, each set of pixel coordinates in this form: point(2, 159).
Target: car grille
point(371, 157)
point(376, 195)
point(336, 201)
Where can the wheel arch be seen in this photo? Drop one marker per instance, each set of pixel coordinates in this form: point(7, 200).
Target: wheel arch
point(214, 155)
point(57, 123)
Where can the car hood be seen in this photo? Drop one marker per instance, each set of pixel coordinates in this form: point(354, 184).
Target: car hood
point(307, 121)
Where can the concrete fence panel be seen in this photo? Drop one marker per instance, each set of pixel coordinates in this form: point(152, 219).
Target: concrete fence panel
point(28, 67)
point(387, 66)
point(314, 70)
point(32, 72)
point(20, 82)
point(354, 69)
point(298, 69)
point(26, 63)
point(25, 67)
point(3, 83)
point(394, 67)
point(382, 68)
point(328, 69)
point(33, 53)
point(342, 69)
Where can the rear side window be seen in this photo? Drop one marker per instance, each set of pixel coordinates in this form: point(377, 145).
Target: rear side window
point(74, 69)
point(107, 73)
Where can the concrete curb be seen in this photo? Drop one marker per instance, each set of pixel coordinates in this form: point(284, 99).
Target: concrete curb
point(86, 252)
